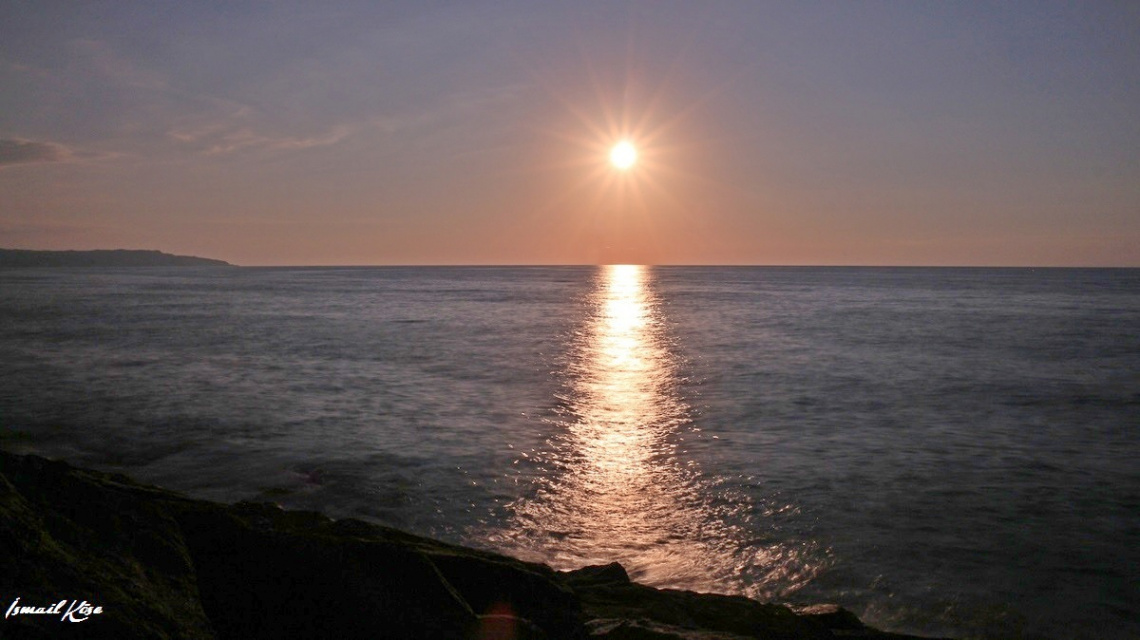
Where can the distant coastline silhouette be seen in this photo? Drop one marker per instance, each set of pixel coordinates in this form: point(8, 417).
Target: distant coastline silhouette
point(102, 258)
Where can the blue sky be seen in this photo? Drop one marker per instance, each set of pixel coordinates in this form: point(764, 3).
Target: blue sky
point(476, 132)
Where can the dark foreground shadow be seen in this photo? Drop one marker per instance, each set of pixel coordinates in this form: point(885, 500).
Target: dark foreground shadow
point(159, 565)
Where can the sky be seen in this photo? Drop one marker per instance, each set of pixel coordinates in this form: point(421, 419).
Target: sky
point(274, 132)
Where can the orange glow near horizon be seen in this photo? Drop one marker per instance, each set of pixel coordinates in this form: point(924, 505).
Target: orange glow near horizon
point(622, 172)
point(465, 149)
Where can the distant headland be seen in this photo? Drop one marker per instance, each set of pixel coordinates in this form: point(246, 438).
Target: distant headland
point(102, 258)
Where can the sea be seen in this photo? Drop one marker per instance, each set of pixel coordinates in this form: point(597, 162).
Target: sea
point(943, 451)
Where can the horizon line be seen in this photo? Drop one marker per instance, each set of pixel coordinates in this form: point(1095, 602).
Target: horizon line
point(680, 265)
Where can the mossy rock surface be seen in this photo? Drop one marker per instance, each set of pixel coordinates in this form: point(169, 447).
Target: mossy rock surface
point(165, 566)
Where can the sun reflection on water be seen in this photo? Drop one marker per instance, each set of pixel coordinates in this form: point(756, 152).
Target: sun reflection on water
point(615, 484)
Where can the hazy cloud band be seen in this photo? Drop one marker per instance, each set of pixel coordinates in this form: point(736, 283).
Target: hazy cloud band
point(17, 151)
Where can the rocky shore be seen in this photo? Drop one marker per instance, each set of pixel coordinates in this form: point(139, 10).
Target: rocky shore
point(86, 554)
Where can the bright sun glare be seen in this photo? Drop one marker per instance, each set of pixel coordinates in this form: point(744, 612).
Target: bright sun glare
point(623, 155)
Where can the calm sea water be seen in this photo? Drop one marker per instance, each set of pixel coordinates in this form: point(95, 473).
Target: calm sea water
point(948, 451)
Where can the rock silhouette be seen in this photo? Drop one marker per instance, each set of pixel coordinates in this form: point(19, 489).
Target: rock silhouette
point(162, 565)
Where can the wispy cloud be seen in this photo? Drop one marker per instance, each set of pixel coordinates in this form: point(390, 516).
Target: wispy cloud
point(227, 138)
point(19, 151)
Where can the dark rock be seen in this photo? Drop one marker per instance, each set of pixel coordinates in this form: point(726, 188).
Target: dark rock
point(504, 585)
point(597, 575)
point(70, 534)
point(845, 624)
point(831, 616)
point(164, 566)
point(274, 577)
point(504, 626)
point(648, 630)
point(695, 611)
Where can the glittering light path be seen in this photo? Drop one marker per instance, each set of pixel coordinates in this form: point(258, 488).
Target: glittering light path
point(614, 486)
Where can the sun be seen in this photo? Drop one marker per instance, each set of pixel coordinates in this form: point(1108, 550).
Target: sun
point(623, 155)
